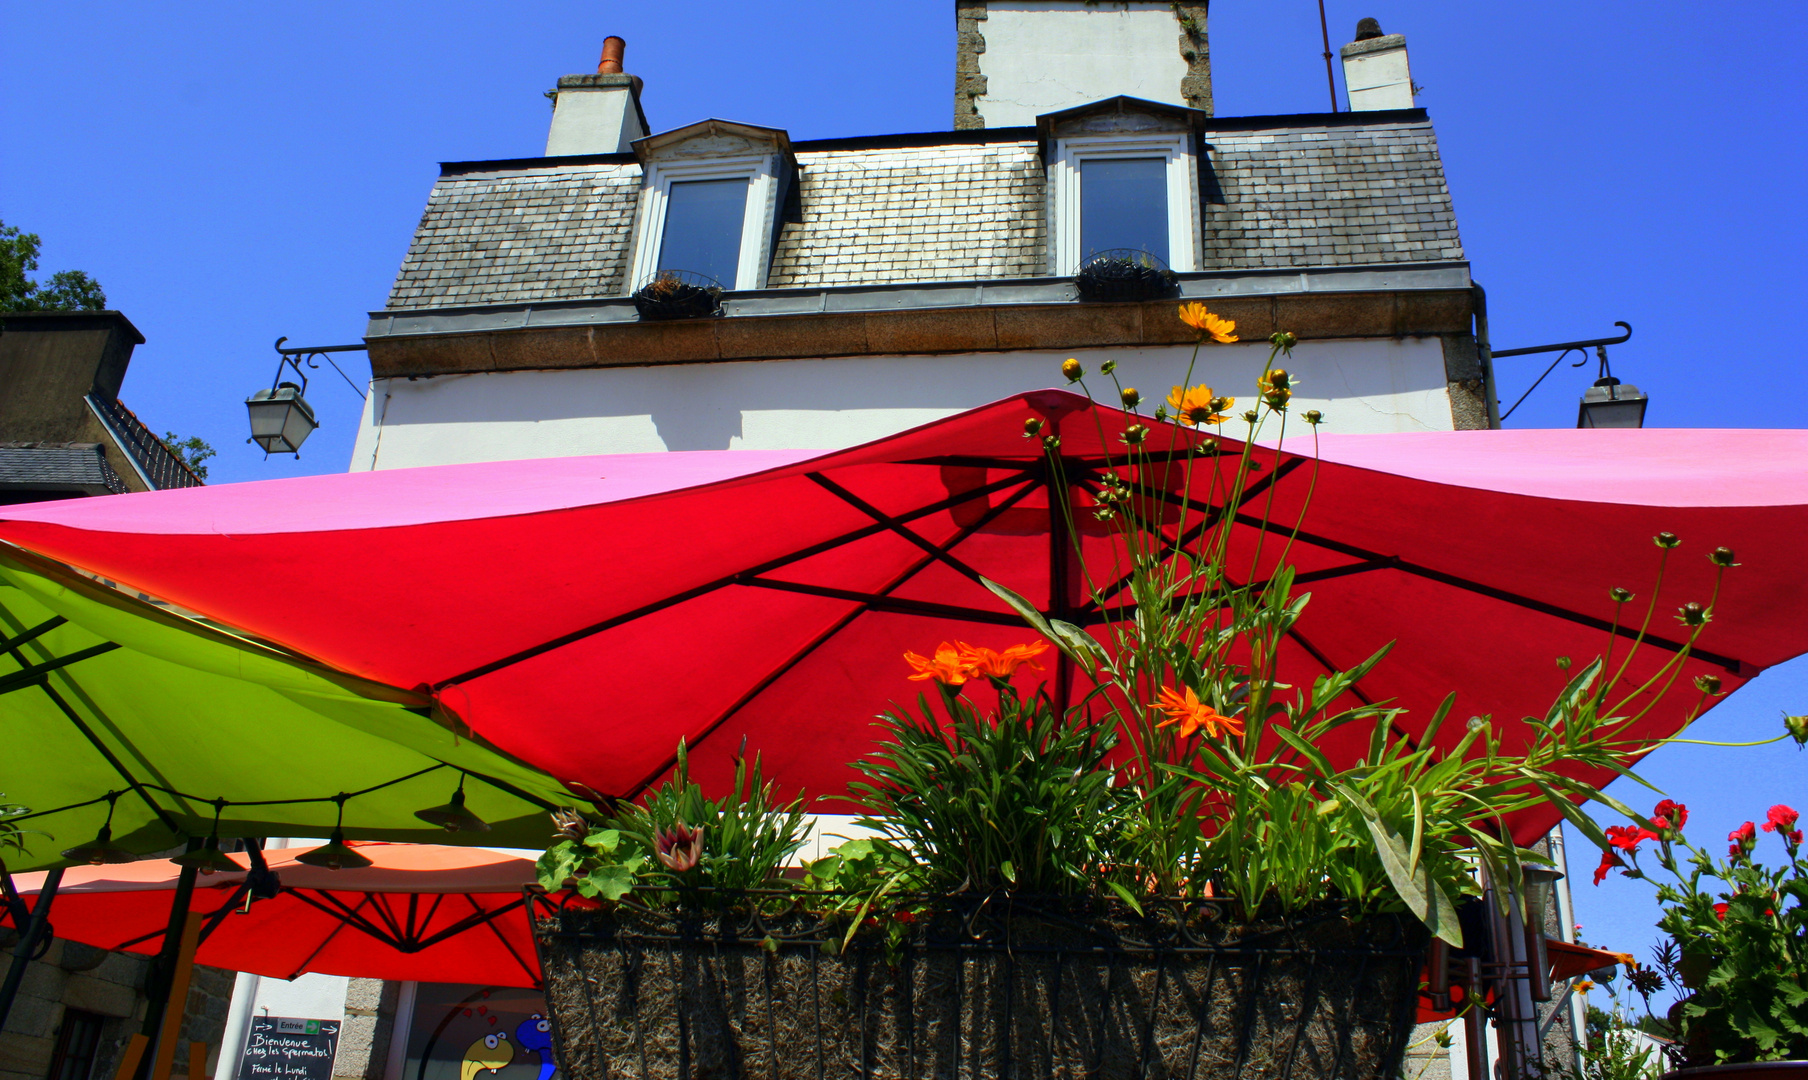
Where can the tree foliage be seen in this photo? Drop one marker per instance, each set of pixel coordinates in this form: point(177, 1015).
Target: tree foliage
point(193, 451)
point(65, 290)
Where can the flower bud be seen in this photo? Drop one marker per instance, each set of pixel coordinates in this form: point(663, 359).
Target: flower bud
point(1072, 369)
point(1219, 404)
point(1283, 339)
point(1250, 416)
point(1797, 726)
point(1032, 427)
point(1279, 379)
point(1107, 367)
point(1197, 415)
point(1563, 663)
point(1722, 556)
point(1135, 434)
point(1620, 596)
point(1691, 614)
point(1314, 417)
point(570, 825)
point(1161, 413)
point(1708, 684)
point(1051, 442)
point(1130, 397)
point(1666, 540)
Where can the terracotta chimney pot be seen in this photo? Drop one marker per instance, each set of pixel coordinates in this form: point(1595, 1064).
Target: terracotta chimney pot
point(611, 63)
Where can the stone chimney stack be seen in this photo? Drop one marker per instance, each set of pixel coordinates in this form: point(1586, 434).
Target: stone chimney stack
point(1375, 71)
point(600, 113)
point(1018, 59)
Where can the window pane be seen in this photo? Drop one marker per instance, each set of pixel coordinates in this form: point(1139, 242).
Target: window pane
point(1124, 204)
point(703, 228)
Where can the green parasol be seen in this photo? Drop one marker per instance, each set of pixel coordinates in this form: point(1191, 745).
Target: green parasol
point(112, 703)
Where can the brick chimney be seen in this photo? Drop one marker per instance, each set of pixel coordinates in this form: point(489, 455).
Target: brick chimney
point(1375, 71)
point(599, 113)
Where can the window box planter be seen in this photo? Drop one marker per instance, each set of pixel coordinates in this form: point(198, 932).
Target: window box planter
point(679, 294)
point(1124, 274)
point(997, 988)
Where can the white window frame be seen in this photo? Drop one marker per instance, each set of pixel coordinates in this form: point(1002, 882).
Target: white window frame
point(1070, 154)
point(750, 271)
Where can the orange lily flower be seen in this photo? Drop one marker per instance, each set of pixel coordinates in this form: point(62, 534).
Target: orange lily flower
point(1223, 331)
point(951, 665)
point(1192, 714)
point(1003, 664)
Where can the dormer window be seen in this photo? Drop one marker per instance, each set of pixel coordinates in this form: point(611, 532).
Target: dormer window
point(704, 220)
point(1123, 174)
point(709, 196)
point(1124, 204)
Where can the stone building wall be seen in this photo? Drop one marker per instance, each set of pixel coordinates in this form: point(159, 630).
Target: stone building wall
point(109, 985)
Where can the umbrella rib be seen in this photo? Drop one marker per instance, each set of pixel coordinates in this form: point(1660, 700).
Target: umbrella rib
point(1394, 562)
point(834, 628)
point(32, 634)
point(490, 922)
point(885, 603)
point(33, 673)
point(957, 565)
point(348, 918)
point(711, 586)
point(508, 788)
point(479, 916)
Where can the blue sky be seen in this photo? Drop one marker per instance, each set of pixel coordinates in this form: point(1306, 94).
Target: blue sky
point(232, 173)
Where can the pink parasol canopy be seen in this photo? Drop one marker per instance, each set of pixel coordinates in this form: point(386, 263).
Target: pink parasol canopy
point(420, 912)
point(584, 614)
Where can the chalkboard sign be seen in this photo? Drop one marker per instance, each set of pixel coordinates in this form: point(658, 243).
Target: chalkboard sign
point(285, 1048)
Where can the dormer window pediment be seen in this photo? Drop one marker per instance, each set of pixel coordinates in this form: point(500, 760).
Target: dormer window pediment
point(710, 196)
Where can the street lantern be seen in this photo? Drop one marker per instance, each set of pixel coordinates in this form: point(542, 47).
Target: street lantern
point(281, 419)
point(1610, 403)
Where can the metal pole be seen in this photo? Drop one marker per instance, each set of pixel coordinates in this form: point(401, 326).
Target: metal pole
point(28, 941)
point(1325, 30)
point(163, 972)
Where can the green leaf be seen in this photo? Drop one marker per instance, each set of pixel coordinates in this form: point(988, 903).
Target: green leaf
point(1022, 607)
point(1421, 895)
point(610, 882)
point(1124, 895)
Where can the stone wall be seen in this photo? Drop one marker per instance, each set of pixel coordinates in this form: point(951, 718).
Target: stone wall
point(108, 984)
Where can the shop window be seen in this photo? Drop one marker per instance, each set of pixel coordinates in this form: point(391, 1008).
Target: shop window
point(76, 1043)
point(458, 1031)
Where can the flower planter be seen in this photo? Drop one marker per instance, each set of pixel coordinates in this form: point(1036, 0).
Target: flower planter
point(995, 990)
point(1124, 274)
point(679, 294)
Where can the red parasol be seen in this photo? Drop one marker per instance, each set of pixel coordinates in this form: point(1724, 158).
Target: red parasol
point(420, 912)
point(585, 613)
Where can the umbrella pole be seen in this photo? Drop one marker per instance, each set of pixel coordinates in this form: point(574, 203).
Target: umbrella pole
point(28, 941)
point(165, 1058)
point(163, 974)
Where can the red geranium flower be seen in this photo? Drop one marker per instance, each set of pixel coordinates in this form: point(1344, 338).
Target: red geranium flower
point(1628, 837)
point(1670, 815)
point(1608, 861)
point(1782, 819)
point(1744, 838)
point(1720, 910)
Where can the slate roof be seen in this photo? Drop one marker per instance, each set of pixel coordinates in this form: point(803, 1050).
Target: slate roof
point(58, 466)
point(1283, 192)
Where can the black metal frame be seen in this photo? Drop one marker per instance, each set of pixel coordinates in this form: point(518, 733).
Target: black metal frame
point(1563, 349)
point(310, 356)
